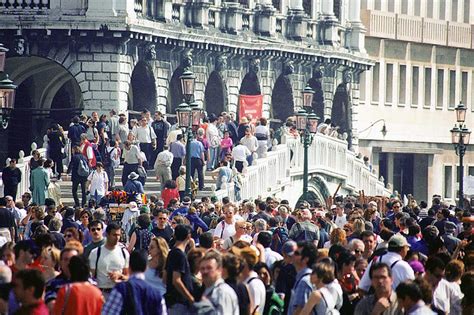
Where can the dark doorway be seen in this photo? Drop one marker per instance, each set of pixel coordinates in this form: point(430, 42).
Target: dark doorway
point(282, 99)
point(403, 173)
point(318, 98)
point(215, 95)
point(250, 85)
point(143, 88)
point(175, 95)
point(341, 112)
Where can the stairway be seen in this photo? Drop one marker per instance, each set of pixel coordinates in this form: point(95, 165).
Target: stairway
point(152, 186)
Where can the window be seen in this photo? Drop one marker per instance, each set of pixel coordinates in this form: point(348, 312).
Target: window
point(404, 6)
point(427, 87)
point(415, 81)
point(442, 10)
point(454, 11)
point(307, 7)
point(440, 89)
point(464, 87)
point(362, 84)
point(391, 6)
point(376, 83)
point(448, 181)
point(402, 79)
point(378, 5)
point(467, 9)
point(452, 89)
point(429, 9)
point(389, 84)
point(470, 170)
point(418, 7)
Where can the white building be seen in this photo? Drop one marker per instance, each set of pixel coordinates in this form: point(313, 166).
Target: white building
point(425, 63)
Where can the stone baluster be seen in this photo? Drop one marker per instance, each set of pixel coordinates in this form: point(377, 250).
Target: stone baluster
point(200, 13)
point(328, 24)
point(265, 19)
point(233, 17)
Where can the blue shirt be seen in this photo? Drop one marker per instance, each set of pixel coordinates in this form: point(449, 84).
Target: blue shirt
point(301, 290)
point(177, 149)
point(197, 149)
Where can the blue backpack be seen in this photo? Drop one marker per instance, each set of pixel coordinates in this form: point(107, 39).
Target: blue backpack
point(279, 237)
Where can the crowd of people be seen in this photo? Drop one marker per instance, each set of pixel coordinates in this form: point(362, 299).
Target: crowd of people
point(256, 257)
point(173, 254)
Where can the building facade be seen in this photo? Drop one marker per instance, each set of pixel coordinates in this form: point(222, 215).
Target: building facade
point(424, 68)
point(69, 57)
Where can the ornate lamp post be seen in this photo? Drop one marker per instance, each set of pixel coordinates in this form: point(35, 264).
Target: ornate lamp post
point(186, 120)
point(307, 124)
point(7, 91)
point(460, 136)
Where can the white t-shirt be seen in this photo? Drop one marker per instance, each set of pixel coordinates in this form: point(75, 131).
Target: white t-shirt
point(145, 134)
point(240, 153)
point(229, 230)
point(98, 181)
point(109, 261)
point(257, 292)
point(340, 221)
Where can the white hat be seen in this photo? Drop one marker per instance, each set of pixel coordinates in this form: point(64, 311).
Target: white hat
point(133, 176)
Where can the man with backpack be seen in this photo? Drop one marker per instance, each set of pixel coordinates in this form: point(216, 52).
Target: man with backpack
point(88, 151)
point(135, 296)
point(397, 250)
point(109, 262)
point(305, 230)
point(79, 168)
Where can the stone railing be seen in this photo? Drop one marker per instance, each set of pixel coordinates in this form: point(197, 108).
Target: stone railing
point(417, 29)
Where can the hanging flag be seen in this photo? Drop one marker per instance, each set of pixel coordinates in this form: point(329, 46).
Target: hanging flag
point(251, 105)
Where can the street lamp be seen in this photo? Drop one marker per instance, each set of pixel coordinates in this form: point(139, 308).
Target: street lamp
point(7, 91)
point(460, 136)
point(187, 119)
point(307, 124)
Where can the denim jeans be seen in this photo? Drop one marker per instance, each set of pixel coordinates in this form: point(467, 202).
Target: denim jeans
point(214, 153)
point(179, 309)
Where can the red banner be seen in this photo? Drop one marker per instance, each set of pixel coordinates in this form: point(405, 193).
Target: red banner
point(250, 105)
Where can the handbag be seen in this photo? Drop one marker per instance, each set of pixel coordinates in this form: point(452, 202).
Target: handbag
point(141, 172)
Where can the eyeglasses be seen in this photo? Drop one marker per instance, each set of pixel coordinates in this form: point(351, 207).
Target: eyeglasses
point(357, 251)
point(96, 229)
point(67, 235)
point(172, 222)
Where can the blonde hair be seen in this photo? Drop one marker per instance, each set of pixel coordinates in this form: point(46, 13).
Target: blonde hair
point(338, 236)
point(163, 254)
point(54, 253)
point(358, 225)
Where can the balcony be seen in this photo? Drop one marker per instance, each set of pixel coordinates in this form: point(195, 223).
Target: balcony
point(417, 29)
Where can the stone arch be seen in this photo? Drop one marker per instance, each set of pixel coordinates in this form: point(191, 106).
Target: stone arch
point(250, 84)
point(175, 94)
point(318, 98)
point(142, 90)
point(282, 98)
point(340, 114)
point(215, 94)
point(317, 190)
point(47, 92)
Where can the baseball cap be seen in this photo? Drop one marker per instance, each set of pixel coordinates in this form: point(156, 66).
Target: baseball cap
point(417, 266)
point(333, 207)
point(289, 248)
point(449, 226)
point(397, 241)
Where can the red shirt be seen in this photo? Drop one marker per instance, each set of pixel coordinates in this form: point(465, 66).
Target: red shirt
point(34, 309)
point(167, 194)
point(84, 298)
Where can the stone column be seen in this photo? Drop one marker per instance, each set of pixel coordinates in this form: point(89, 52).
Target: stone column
point(329, 87)
point(266, 21)
point(200, 14)
point(355, 38)
point(296, 21)
point(328, 25)
point(233, 17)
point(354, 105)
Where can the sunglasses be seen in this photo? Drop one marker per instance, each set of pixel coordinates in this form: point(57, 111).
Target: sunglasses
point(172, 222)
point(357, 251)
point(96, 229)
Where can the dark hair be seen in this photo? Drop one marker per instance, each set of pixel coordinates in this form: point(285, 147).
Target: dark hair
point(233, 264)
point(170, 184)
point(138, 260)
point(423, 204)
point(206, 240)
point(144, 220)
point(434, 263)
point(194, 258)
point(308, 250)
point(25, 245)
point(32, 278)
point(3, 202)
point(366, 233)
point(112, 227)
point(181, 232)
point(79, 268)
point(261, 265)
point(95, 223)
point(264, 238)
point(409, 289)
point(378, 266)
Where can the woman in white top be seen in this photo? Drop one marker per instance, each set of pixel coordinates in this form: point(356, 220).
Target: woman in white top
point(262, 133)
point(54, 190)
point(98, 182)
